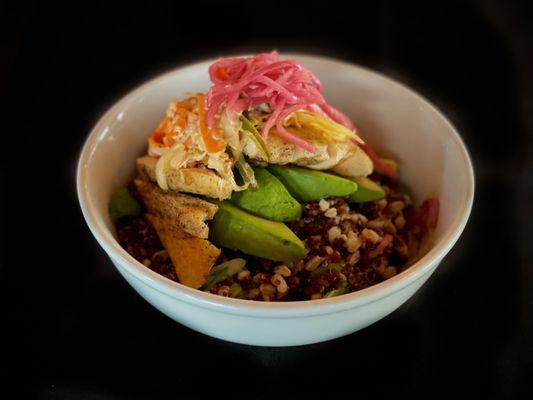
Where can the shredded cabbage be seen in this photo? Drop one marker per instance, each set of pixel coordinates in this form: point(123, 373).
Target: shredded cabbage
point(230, 125)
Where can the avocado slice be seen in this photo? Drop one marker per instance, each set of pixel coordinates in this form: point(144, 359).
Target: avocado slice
point(367, 190)
point(236, 229)
point(269, 200)
point(123, 204)
point(309, 185)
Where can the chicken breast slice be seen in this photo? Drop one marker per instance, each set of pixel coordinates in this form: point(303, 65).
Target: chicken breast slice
point(355, 165)
point(200, 181)
point(283, 152)
point(343, 158)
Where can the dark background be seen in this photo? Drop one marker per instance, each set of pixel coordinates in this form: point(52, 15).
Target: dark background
point(73, 329)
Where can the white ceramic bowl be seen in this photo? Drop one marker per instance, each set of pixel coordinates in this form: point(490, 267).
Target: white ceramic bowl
point(392, 118)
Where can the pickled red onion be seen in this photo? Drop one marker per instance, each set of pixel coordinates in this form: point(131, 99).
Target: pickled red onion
point(243, 83)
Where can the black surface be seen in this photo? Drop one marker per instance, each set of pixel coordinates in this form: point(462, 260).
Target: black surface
point(72, 327)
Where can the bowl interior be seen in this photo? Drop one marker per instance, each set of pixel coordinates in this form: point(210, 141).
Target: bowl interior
point(392, 118)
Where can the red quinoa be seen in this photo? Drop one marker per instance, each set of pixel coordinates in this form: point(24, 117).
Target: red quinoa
point(351, 247)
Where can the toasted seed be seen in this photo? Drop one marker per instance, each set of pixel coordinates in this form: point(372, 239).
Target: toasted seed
point(396, 207)
point(223, 291)
point(243, 274)
point(258, 277)
point(323, 204)
point(267, 289)
point(331, 212)
point(283, 270)
point(353, 258)
point(382, 203)
point(376, 224)
point(352, 242)
point(313, 263)
point(399, 221)
point(370, 235)
point(334, 233)
point(279, 282)
point(298, 266)
point(389, 227)
point(361, 217)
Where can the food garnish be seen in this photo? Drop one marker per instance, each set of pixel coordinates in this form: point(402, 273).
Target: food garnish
point(223, 271)
point(283, 86)
point(327, 267)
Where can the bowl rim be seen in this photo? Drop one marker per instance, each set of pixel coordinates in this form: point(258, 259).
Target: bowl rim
point(133, 268)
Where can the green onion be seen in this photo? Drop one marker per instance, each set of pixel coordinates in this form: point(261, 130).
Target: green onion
point(336, 292)
point(246, 172)
point(327, 267)
point(223, 271)
point(342, 289)
point(122, 204)
point(235, 291)
point(249, 130)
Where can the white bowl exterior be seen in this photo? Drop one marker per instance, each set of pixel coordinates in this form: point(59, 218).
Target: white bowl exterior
point(398, 122)
point(261, 331)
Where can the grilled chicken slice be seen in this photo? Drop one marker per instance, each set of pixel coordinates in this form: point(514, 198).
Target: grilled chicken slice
point(343, 158)
point(355, 164)
point(200, 181)
point(283, 152)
